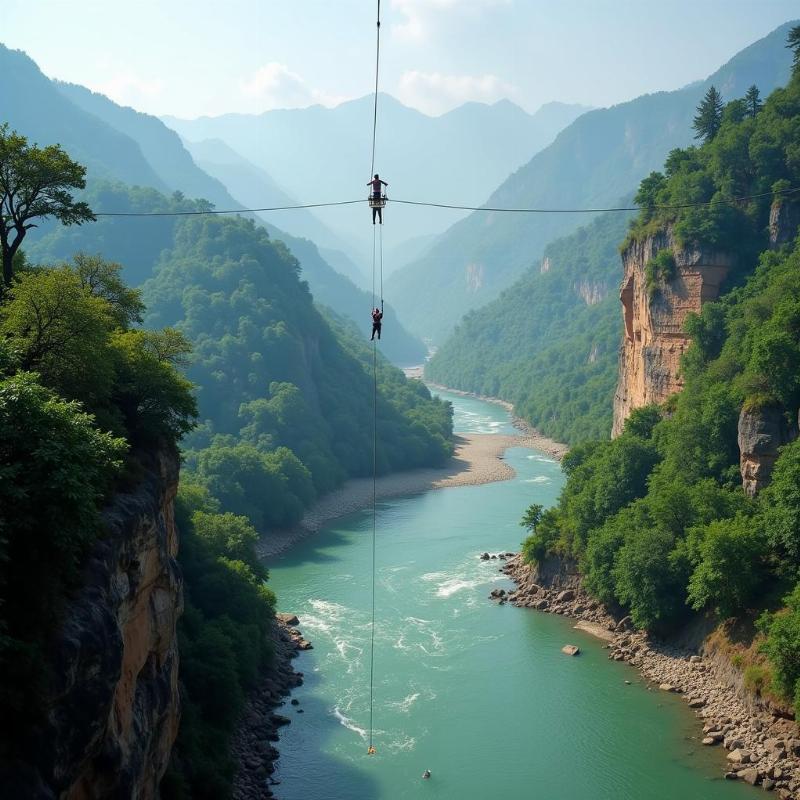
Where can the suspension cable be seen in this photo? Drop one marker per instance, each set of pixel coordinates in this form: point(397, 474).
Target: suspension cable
point(493, 209)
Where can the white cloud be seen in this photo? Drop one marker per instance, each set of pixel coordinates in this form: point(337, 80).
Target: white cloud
point(422, 16)
point(129, 89)
point(275, 86)
point(435, 93)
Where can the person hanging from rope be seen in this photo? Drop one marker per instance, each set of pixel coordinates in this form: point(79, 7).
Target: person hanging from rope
point(377, 197)
point(377, 322)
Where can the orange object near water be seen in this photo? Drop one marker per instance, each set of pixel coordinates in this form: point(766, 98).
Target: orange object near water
point(370, 751)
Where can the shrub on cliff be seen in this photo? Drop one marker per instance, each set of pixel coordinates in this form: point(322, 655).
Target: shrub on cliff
point(55, 468)
point(224, 641)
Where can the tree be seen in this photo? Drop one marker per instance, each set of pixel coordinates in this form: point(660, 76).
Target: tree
point(35, 183)
point(709, 115)
point(753, 101)
point(793, 43)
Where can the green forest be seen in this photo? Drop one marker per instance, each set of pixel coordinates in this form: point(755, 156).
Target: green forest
point(548, 345)
point(270, 399)
point(657, 519)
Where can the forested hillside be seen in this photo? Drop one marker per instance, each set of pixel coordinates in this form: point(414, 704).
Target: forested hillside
point(549, 343)
point(592, 163)
point(657, 518)
point(285, 409)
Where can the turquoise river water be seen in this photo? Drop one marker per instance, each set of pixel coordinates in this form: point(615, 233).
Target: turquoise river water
point(479, 694)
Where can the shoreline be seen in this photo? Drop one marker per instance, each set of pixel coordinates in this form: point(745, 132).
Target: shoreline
point(252, 744)
point(764, 748)
point(541, 442)
point(478, 459)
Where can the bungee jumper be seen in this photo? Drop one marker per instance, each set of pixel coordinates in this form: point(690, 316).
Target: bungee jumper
point(426, 775)
point(377, 200)
point(377, 323)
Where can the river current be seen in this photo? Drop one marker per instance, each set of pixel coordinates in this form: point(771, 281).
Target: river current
point(478, 693)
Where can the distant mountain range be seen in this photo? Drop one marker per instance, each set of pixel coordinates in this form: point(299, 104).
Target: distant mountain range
point(119, 144)
point(322, 154)
point(597, 159)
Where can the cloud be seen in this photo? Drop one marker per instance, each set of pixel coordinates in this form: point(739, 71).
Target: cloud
point(421, 17)
point(435, 93)
point(127, 88)
point(275, 86)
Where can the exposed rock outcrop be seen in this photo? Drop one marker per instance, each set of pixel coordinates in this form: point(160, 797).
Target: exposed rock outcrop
point(784, 220)
point(590, 292)
point(654, 340)
point(761, 433)
point(115, 703)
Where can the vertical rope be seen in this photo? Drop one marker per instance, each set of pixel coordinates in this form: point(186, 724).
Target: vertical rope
point(374, 527)
point(375, 105)
point(375, 239)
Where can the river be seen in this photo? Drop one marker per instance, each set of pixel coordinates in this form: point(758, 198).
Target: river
point(478, 693)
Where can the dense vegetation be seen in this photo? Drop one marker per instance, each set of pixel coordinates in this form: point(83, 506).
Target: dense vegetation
point(549, 343)
point(286, 410)
point(657, 518)
point(224, 641)
point(81, 390)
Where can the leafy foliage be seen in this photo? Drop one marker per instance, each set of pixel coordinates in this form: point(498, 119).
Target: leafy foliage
point(657, 517)
point(223, 638)
point(55, 467)
point(35, 183)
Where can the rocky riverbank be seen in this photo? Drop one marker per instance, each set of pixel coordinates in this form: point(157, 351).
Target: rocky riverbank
point(258, 725)
point(764, 747)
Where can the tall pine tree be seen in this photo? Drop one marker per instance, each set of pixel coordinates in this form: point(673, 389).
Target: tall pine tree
point(793, 43)
point(709, 116)
point(753, 101)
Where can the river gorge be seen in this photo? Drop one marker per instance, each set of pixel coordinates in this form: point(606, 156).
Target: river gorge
point(478, 693)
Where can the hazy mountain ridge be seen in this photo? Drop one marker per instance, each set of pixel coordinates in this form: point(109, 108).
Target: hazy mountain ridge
point(322, 154)
point(600, 157)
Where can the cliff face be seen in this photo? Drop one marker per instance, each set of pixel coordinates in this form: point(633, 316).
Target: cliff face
point(761, 433)
point(653, 340)
point(115, 706)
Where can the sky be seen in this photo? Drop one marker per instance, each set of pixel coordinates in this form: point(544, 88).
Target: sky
point(191, 58)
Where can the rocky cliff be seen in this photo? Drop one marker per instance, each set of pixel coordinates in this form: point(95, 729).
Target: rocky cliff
point(761, 433)
point(654, 312)
point(114, 708)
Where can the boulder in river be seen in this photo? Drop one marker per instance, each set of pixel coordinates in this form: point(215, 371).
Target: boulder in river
point(287, 619)
point(485, 556)
point(571, 649)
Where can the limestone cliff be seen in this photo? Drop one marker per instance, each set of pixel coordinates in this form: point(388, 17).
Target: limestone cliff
point(114, 708)
point(654, 314)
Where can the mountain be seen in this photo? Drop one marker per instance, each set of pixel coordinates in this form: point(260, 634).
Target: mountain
point(596, 160)
point(322, 154)
point(161, 146)
point(548, 344)
point(256, 189)
point(138, 150)
point(33, 105)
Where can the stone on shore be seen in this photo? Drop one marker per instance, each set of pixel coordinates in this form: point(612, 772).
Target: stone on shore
point(739, 756)
point(287, 619)
point(565, 596)
point(571, 649)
